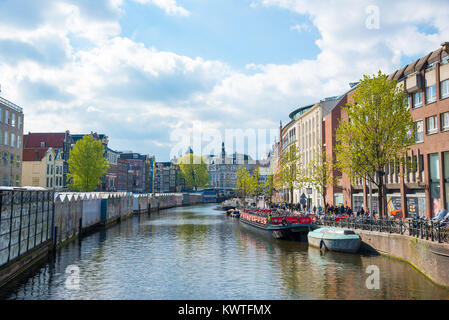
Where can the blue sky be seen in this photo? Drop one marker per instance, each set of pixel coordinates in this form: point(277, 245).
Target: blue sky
point(144, 72)
point(230, 31)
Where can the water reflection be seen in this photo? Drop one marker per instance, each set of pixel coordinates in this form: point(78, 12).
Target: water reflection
point(199, 253)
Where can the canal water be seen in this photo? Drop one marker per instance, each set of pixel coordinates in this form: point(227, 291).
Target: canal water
point(200, 253)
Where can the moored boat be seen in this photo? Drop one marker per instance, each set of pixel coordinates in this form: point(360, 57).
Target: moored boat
point(235, 214)
point(335, 239)
point(229, 204)
point(291, 227)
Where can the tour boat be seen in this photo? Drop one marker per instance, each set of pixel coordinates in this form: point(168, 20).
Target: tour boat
point(291, 227)
point(334, 239)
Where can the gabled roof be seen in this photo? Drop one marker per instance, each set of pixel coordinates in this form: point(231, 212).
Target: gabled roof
point(33, 140)
point(419, 64)
point(34, 154)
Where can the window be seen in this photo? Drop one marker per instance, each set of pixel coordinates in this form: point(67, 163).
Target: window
point(18, 161)
point(407, 102)
point(434, 165)
point(431, 94)
point(13, 139)
point(431, 125)
point(6, 138)
point(445, 89)
point(445, 121)
point(7, 120)
point(419, 132)
point(19, 142)
point(48, 171)
point(19, 122)
point(417, 101)
point(1, 114)
point(5, 158)
point(13, 119)
point(445, 60)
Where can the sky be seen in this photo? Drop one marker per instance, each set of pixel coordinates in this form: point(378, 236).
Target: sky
point(150, 73)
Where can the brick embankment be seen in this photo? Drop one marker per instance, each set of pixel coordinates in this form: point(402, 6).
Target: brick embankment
point(429, 257)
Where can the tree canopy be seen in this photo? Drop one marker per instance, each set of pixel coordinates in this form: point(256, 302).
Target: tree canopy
point(246, 183)
point(379, 131)
point(87, 164)
point(320, 173)
point(194, 170)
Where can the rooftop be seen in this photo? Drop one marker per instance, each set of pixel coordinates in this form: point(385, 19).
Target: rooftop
point(11, 105)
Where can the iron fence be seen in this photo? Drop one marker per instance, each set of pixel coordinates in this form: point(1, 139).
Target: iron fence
point(415, 227)
point(26, 221)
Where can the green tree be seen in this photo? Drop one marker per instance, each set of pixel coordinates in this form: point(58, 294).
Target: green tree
point(267, 187)
point(87, 164)
point(246, 183)
point(320, 173)
point(194, 170)
point(379, 131)
point(291, 173)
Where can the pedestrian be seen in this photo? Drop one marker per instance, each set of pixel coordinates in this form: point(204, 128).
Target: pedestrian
point(320, 208)
point(314, 209)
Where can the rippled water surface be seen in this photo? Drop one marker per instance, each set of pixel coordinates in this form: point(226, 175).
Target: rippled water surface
point(199, 253)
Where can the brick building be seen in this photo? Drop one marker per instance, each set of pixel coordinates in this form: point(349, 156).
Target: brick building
point(11, 137)
point(424, 190)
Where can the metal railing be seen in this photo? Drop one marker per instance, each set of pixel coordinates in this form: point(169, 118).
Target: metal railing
point(26, 221)
point(416, 227)
point(10, 105)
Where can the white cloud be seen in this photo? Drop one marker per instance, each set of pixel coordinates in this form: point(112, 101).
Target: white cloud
point(169, 6)
point(300, 27)
point(137, 95)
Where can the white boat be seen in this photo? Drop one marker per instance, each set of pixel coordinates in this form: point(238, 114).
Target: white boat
point(334, 239)
point(229, 204)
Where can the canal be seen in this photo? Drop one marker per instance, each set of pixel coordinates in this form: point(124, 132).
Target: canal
point(199, 253)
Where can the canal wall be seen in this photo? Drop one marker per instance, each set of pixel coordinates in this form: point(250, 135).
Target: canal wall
point(428, 257)
point(33, 222)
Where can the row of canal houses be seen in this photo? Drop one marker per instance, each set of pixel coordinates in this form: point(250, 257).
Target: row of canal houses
point(45, 164)
point(420, 193)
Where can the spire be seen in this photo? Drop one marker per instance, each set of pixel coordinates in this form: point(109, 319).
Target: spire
point(223, 152)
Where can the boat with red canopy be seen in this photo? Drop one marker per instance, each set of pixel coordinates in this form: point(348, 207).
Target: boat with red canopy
point(281, 225)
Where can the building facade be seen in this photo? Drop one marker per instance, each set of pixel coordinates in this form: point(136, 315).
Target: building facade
point(36, 144)
point(136, 171)
point(223, 171)
point(111, 179)
point(423, 188)
point(43, 168)
point(165, 179)
point(11, 138)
